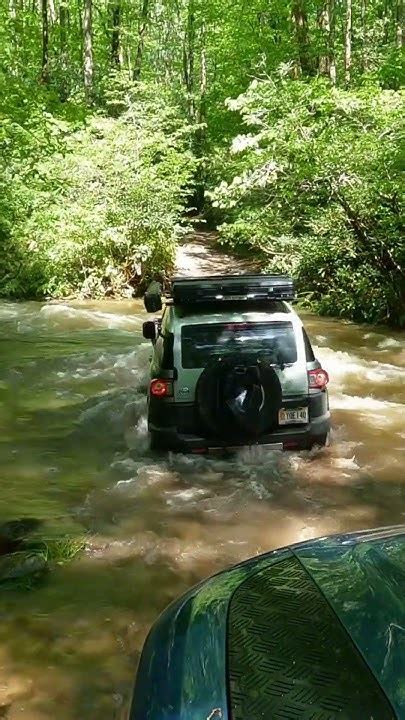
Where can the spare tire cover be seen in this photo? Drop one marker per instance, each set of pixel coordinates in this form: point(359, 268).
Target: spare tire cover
point(239, 396)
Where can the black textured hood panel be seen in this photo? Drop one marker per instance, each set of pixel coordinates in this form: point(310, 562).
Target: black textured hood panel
point(289, 658)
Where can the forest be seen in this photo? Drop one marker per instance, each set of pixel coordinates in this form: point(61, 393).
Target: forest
point(277, 122)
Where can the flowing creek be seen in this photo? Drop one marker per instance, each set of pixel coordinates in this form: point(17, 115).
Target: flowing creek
point(73, 452)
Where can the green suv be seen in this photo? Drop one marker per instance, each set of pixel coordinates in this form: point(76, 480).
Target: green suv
point(232, 366)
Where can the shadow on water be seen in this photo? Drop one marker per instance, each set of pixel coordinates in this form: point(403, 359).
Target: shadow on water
point(73, 453)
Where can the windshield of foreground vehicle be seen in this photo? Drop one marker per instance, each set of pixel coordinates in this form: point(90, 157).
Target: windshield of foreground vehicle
point(274, 341)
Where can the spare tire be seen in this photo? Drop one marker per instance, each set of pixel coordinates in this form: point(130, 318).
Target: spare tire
point(238, 397)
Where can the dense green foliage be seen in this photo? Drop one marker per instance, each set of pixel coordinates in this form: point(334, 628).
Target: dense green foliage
point(92, 207)
point(316, 190)
point(99, 214)
point(280, 121)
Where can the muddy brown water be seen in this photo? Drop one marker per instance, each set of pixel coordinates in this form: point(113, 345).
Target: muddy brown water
point(73, 451)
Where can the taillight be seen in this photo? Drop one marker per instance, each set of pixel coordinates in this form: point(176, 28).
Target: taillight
point(318, 379)
point(161, 388)
point(291, 445)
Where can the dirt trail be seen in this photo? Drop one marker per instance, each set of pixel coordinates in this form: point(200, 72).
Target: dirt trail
point(199, 254)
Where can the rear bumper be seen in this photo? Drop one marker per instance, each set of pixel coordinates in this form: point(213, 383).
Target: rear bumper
point(289, 438)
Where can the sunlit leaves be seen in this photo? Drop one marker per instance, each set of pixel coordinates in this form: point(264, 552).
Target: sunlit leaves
point(103, 213)
point(322, 169)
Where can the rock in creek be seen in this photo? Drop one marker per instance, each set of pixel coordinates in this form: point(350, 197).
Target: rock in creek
point(21, 565)
point(17, 560)
point(14, 532)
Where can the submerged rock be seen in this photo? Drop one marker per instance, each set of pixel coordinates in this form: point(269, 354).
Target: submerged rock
point(24, 560)
point(22, 564)
point(14, 532)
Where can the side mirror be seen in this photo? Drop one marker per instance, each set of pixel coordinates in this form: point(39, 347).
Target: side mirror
point(153, 298)
point(149, 330)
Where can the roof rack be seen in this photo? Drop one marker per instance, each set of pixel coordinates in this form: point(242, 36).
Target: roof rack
point(221, 288)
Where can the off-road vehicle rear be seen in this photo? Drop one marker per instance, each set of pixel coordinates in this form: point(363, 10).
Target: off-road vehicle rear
point(232, 365)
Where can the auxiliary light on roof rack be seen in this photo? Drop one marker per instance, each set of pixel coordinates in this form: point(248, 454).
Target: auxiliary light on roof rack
point(221, 288)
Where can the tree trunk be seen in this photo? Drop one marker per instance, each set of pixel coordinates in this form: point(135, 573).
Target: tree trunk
point(79, 31)
point(364, 62)
point(399, 24)
point(324, 28)
point(63, 25)
point(188, 59)
point(17, 33)
point(385, 17)
point(348, 41)
point(143, 25)
point(331, 41)
point(115, 34)
point(302, 38)
point(52, 12)
point(203, 81)
point(12, 13)
point(200, 142)
point(63, 22)
point(45, 43)
point(129, 62)
point(88, 65)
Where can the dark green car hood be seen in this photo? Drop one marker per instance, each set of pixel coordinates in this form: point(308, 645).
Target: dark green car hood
point(364, 582)
point(313, 631)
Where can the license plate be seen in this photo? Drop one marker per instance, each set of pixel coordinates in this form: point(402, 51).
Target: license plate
point(295, 415)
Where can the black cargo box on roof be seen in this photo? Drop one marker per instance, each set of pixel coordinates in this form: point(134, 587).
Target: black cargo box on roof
point(251, 288)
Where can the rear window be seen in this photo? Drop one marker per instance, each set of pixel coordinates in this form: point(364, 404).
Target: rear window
point(308, 348)
point(201, 343)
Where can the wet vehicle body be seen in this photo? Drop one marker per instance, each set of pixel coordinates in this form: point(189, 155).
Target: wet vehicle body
point(233, 365)
point(311, 631)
